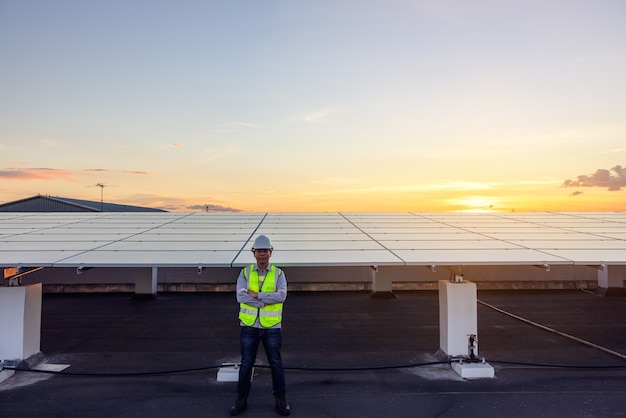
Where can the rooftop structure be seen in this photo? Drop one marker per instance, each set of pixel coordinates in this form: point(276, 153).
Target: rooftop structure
point(384, 247)
point(346, 355)
point(42, 203)
point(397, 332)
point(312, 239)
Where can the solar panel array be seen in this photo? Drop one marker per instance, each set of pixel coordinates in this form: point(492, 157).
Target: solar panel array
point(311, 239)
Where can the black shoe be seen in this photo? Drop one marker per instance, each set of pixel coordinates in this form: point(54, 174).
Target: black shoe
point(281, 405)
point(240, 405)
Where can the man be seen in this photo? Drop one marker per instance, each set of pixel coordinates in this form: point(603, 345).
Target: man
point(261, 291)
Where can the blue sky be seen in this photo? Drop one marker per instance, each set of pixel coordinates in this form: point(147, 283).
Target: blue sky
point(329, 105)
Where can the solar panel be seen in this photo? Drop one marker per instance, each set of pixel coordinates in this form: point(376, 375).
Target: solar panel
point(311, 239)
point(325, 245)
point(149, 258)
point(448, 245)
point(28, 246)
point(280, 236)
point(173, 246)
point(427, 236)
point(326, 258)
point(592, 256)
point(189, 236)
point(36, 258)
point(616, 235)
point(478, 257)
point(573, 244)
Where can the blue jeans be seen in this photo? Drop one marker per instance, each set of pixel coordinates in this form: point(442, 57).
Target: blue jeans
point(272, 339)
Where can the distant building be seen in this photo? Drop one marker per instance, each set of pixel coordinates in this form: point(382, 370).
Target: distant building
point(41, 203)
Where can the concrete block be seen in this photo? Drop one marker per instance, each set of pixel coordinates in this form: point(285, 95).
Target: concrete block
point(474, 370)
point(229, 373)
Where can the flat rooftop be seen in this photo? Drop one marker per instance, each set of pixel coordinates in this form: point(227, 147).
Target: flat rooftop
point(113, 344)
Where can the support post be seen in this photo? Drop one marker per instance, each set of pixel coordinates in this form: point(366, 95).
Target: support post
point(146, 284)
point(382, 282)
point(458, 327)
point(611, 280)
point(20, 321)
point(457, 316)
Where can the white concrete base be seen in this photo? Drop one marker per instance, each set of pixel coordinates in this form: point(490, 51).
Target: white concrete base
point(229, 372)
point(146, 283)
point(611, 280)
point(5, 374)
point(20, 321)
point(46, 367)
point(457, 317)
point(473, 370)
point(382, 279)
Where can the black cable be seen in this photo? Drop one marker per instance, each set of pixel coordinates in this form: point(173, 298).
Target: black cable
point(355, 369)
point(326, 369)
point(133, 374)
point(322, 369)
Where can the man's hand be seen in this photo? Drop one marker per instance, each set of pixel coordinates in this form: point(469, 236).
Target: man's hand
point(253, 293)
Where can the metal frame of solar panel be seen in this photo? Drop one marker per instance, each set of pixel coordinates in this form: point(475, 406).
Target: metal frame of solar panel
point(311, 239)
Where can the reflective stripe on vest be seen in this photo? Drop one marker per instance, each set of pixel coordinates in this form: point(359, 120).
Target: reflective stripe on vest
point(268, 315)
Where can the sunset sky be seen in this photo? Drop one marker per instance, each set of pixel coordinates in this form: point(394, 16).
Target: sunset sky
point(325, 105)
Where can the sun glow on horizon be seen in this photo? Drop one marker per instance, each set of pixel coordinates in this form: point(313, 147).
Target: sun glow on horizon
point(293, 113)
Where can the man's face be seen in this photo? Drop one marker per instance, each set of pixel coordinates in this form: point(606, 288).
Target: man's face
point(262, 256)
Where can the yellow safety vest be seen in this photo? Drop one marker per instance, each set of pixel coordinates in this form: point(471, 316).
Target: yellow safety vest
point(268, 315)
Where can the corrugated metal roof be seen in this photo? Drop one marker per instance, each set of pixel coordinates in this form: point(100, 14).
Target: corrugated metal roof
point(41, 203)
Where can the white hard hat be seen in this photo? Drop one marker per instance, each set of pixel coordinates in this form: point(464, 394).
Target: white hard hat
point(262, 242)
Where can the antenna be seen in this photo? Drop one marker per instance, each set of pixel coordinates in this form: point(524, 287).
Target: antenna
point(101, 186)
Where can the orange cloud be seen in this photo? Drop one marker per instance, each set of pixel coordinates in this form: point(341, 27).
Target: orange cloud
point(29, 174)
point(98, 170)
point(135, 172)
point(104, 170)
point(613, 179)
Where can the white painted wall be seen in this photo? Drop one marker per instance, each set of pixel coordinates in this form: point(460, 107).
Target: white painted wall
point(20, 321)
point(458, 317)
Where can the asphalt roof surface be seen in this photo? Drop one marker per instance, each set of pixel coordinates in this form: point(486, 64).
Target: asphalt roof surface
point(324, 333)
